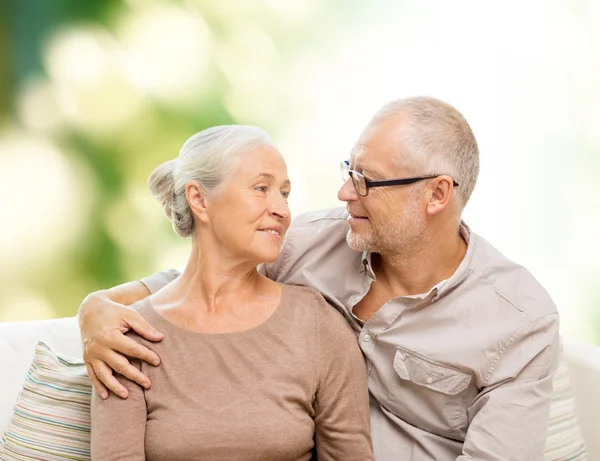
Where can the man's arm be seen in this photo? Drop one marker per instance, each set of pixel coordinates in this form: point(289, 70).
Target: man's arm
point(103, 320)
point(509, 419)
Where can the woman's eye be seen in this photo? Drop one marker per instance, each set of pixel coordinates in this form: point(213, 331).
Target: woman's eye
point(261, 188)
point(285, 194)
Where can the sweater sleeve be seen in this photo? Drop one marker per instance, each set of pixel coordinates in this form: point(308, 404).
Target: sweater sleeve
point(119, 425)
point(342, 424)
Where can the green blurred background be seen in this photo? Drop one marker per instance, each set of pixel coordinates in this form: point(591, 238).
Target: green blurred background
point(94, 95)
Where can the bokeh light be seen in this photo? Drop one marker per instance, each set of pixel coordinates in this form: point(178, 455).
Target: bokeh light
point(40, 206)
point(94, 93)
point(166, 51)
point(25, 306)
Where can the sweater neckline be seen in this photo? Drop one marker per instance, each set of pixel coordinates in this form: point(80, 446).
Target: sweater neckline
point(164, 325)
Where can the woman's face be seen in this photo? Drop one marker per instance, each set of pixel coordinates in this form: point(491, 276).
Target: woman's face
point(250, 215)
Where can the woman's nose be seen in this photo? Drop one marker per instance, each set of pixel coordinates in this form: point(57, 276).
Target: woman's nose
point(280, 208)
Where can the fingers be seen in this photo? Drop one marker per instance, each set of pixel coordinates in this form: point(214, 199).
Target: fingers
point(103, 324)
point(136, 322)
point(122, 366)
point(100, 388)
point(130, 347)
point(103, 363)
point(105, 375)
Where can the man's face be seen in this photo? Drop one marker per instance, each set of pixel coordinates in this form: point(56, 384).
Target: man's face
point(389, 219)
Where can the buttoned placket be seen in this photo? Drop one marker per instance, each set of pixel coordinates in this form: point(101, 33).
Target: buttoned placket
point(366, 340)
point(387, 315)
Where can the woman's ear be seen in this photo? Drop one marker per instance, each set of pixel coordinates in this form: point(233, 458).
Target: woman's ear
point(196, 197)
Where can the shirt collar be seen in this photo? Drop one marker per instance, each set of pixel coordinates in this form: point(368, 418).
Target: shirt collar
point(464, 269)
point(366, 264)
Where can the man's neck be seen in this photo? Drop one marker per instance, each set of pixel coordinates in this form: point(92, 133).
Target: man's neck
point(422, 267)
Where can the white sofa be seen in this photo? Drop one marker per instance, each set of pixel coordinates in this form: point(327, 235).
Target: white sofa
point(18, 340)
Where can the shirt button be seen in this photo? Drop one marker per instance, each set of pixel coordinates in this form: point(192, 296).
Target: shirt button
point(429, 380)
point(367, 338)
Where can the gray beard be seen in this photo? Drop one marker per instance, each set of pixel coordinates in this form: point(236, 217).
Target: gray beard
point(396, 238)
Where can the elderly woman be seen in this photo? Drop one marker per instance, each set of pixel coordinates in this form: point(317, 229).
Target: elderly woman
point(251, 369)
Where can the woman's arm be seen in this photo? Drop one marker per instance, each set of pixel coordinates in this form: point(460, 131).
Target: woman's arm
point(343, 430)
point(119, 426)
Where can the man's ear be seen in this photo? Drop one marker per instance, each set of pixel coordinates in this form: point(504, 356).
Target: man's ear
point(196, 197)
point(441, 193)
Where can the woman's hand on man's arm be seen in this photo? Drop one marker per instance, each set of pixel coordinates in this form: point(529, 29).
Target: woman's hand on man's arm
point(104, 319)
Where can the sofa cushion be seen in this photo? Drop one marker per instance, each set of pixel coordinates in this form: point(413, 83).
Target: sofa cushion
point(564, 440)
point(51, 418)
point(17, 346)
point(583, 360)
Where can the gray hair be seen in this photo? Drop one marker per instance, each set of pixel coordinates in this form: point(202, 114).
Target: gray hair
point(208, 157)
point(437, 140)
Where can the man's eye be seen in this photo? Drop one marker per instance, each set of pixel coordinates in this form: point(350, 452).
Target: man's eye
point(285, 194)
point(261, 188)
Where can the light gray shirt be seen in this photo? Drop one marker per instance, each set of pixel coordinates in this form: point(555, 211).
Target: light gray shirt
point(462, 372)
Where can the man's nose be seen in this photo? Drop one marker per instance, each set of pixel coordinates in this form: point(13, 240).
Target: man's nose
point(347, 192)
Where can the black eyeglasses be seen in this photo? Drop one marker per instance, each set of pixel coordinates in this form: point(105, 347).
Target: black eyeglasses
point(362, 184)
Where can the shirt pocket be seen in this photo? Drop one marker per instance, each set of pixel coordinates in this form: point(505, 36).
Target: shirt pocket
point(435, 392)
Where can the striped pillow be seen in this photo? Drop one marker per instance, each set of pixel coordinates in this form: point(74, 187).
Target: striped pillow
point(564, 441)
point(51, 419)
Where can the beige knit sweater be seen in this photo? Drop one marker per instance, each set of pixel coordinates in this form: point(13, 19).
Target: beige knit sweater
point(262, 394)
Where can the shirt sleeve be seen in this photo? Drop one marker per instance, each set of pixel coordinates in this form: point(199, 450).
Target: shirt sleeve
point(157, 281)
point(509, 418)
point(274, 270)
point(119, 426)
point(342, 424)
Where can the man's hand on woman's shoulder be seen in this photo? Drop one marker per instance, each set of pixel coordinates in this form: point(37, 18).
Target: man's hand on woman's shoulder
point(104, 319)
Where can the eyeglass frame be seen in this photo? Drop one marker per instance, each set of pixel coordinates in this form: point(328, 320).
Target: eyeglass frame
point(369, 183)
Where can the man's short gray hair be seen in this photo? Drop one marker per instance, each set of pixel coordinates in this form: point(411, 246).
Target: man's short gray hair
point(208, 157)
point(437, 140)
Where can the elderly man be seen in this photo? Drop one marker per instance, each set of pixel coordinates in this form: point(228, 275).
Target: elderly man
point(460, 343)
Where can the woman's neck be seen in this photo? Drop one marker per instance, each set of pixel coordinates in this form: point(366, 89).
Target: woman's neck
point(213, 280)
